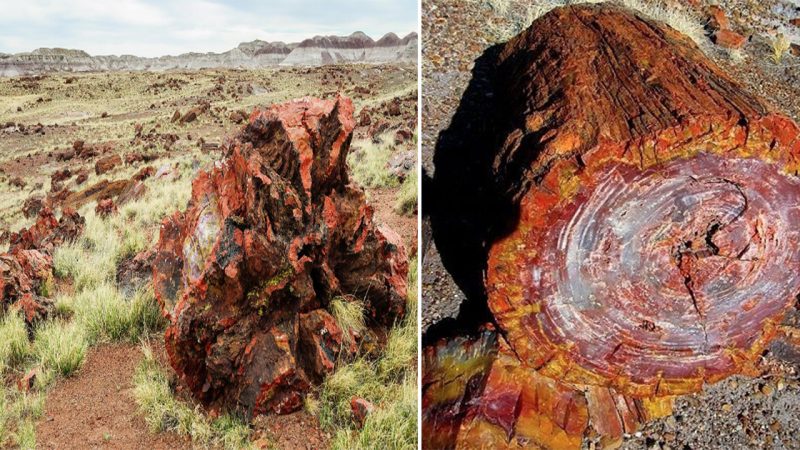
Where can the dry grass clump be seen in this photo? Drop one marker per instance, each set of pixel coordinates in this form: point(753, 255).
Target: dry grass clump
point(406, 203)
point(348, 312)
point(19, 412)
point(14, 344)
point(780, 45)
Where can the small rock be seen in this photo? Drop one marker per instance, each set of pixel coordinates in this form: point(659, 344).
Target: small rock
point(190, 115)
point(727, 407)
point(360, 408)
point(144, 173)
point(25, 384)
point(106, 164)
point(105, 207)
point(729, 39)
point(32, 206)
point(18, 182)
point(717, 20)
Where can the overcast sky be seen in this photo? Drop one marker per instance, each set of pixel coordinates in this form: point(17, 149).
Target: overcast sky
point(156, 28)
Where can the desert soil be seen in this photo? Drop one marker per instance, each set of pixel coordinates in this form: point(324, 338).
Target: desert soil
point(455, 35)
point(96, 408)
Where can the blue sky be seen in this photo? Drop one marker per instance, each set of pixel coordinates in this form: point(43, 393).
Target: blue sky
point(155, 28)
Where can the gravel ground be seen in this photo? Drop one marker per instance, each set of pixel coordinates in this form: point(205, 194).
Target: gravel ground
point(739, 413)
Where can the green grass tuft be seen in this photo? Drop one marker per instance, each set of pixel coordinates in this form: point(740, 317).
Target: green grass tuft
point(394, 426)
point(60, 347)
point(388, 382)
point(19, 412)
point(14, 345)
point(349, 315)
point(107, 316)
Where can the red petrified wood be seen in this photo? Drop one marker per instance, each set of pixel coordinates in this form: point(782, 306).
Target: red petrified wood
point(29, 262)
point(272, 234)
point(655, 248)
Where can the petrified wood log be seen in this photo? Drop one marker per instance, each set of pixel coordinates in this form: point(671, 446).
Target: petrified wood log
point(272, 234)
point(655, 248)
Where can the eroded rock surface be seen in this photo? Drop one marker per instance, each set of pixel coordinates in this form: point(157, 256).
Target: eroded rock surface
point(272, 234)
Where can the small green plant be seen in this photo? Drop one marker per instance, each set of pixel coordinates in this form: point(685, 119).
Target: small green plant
point(19, 412)
point(26, 435)
point(499, 6)
point(369, 165)
point(780, 45)
point(106, 316)
point(47, 287)
point(388, 382)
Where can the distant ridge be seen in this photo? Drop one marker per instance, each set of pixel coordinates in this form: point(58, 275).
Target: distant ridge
point(318, 50)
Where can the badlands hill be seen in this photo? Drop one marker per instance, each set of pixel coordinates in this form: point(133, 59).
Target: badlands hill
point(319, 50)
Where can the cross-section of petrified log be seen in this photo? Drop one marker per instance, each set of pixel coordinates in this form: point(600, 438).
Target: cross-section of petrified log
point(656, 245)
point(272, 233)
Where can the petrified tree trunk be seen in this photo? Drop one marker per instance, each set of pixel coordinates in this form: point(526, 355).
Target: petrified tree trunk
point(655, 244)
point(272, 234)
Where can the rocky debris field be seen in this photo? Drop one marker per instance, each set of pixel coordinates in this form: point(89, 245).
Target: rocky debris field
point(74, 138)
point(751, 41)
point(90, 165)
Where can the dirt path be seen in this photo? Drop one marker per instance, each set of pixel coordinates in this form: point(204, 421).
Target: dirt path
point(96, 409)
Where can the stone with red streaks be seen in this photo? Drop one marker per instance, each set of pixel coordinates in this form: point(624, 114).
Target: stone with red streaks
point(105, 207)
point(273, 232)
point(360, 408)
point(477, 394)
point(29, 263)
